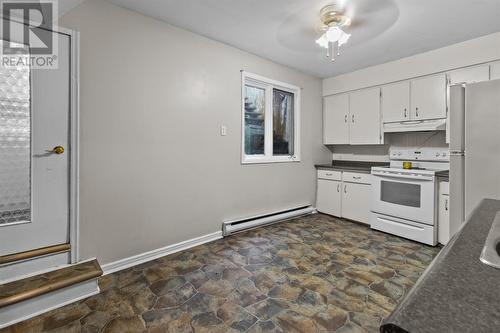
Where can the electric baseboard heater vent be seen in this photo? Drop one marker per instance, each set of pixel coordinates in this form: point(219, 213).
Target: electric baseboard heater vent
point(231, 227)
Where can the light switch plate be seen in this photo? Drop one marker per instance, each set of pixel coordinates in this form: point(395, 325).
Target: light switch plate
point(223, 130)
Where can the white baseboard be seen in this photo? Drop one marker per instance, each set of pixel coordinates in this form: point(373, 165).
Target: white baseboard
point(118, 265)
point(30, 308)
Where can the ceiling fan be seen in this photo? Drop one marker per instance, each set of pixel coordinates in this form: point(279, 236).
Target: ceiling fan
point(333, 20)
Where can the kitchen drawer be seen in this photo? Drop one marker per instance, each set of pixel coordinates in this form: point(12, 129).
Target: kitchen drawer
point(353, 177)
point(419, 232)
point(329, 174)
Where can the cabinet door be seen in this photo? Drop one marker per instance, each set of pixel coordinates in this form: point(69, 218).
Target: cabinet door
point(495, 71)
point(444, 232)
point(396, 102)
point(470, 75)
point(335, 119)
point(364, 109)
point(428, 97)
point(328, 198)
point(356, 202)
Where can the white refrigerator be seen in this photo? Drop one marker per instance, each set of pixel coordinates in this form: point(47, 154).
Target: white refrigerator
point(474, 126)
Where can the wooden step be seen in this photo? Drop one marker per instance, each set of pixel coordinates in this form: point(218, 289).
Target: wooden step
point(31, 296)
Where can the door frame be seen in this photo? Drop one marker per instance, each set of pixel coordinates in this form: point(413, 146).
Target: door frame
point(74, 137)
point(74, 126)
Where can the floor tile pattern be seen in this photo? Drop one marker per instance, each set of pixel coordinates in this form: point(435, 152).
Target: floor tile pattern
point(311, 274)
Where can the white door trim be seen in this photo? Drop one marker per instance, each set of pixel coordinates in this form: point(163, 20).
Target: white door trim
point(74, 181)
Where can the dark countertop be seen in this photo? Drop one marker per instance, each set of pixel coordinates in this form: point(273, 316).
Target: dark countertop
point(456, 293)
point(351, 166)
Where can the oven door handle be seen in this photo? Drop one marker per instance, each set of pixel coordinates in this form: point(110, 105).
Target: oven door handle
point(402, 176)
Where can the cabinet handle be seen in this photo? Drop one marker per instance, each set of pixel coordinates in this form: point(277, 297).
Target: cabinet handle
point(345, 118)
point(446, 205)
point(406, 114)
point(416, 112)
point(345, 189)
point(338, 188)
point(353, 119)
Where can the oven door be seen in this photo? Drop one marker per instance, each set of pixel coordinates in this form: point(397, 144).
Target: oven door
point(404, 196)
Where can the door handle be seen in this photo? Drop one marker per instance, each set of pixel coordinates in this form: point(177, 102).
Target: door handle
point(345, 189)
point(353, 119)
point(406, 114)
point(57, 150)
point(416, 112)
point(345, 118)
point(338, 188)
point(446, 205)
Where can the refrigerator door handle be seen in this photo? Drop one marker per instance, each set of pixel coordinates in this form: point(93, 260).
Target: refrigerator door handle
point(456, 153)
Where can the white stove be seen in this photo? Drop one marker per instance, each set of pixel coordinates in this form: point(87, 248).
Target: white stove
point(404, 201)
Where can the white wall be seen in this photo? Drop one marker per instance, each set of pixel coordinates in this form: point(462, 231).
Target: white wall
point(468, 53)
point(154, 169)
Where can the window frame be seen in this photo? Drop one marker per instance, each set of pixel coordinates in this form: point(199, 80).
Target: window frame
point(268, 85)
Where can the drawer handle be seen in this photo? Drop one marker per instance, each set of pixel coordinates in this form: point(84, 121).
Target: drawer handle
point(356, 177)
point(328, 174)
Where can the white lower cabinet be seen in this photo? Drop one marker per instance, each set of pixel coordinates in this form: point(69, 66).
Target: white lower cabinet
point(328, 197)
point(348, 199)
point(356, 202)
point(444, 230)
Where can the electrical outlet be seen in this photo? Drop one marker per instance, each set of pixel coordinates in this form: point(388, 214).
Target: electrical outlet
point(223, 130)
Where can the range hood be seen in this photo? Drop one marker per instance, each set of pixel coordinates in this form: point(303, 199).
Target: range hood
point(415, 126)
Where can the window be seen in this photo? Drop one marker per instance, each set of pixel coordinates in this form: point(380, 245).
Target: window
point(271, 120)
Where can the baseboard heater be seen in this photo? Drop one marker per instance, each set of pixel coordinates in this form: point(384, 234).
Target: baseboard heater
point(231, 227)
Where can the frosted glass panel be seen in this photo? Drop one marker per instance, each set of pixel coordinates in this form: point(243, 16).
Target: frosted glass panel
point(15, 145)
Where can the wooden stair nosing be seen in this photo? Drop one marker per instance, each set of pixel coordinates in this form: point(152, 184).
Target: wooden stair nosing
point(55, 249)
point(52, 286)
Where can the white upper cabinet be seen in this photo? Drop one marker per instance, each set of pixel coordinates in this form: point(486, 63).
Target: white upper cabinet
point(428, 97)
point(396, 102)
point(495, 71)
point(335, 119)
point(470, 75)
point(364, 107)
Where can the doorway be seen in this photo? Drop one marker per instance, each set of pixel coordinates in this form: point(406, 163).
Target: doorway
point(38, 163)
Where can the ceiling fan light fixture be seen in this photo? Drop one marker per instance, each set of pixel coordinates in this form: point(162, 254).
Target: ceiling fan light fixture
point(333, 37)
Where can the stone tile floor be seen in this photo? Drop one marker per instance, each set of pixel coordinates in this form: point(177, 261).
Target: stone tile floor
point(311, 274)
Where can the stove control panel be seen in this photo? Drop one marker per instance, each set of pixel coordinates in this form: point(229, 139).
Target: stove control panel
point(427, 154)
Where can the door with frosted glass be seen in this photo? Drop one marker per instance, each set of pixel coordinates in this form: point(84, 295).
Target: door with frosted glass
point(34, 155)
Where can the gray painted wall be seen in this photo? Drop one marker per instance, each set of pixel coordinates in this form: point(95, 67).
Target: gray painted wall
point(154, 169)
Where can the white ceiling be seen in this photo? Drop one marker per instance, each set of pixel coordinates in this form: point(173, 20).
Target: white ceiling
point(285, 30)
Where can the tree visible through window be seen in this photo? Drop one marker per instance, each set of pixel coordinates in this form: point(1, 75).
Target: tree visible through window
point(270, 120)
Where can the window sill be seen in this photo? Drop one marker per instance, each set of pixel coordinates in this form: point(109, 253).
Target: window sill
point(269, 161)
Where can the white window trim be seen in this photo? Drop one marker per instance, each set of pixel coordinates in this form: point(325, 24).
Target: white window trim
point(269, 84)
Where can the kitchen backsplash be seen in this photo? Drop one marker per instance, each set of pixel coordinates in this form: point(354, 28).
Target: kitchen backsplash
point(414, 140)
